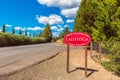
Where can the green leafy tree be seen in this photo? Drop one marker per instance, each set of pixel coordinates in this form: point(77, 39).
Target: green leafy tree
point(3, 29)
point(99, 19)
point(47, 33)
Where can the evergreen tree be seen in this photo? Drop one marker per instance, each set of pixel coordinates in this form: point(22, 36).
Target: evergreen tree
point(66, 29)
point(20, 32)
point(47, 33)
point(65, 32)
point(37, 35)
point(13, 31)
point(34, 35)
point(3, 29)
point(40, 34)
point(99, 19)
point(30, 35)
point(26, 33)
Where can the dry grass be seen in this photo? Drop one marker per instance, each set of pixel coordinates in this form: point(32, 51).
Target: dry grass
point(60, 42)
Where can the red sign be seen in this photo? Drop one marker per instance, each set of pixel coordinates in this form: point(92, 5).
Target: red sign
point(77, 39)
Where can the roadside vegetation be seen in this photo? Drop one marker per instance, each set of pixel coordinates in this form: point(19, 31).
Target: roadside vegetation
point(14, 40)
point(101, 20)
point(7, 39)
point(112, 52)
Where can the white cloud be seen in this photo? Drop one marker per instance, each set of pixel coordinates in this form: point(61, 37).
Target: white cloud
point(71, 30)
point(35, 28)
point(54, 28)
point(59, 26)
point(55, 19)
point(55, 34)
point(43, 19)
point(8, 25)
point(27, 33)
point(66, 26)
point(51, 19)
point(61, 29)
point(24, 29)
point(70, 21)
point(68, 8)
point(29, 28)
point(0, 30)
point(18, 28)
point(48, 2)
point(62, 4)
point(69, 13)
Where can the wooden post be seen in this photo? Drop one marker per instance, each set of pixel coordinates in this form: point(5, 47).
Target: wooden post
point(100, 50)
point(91, 49)
point(86, 62)
point(67, 62)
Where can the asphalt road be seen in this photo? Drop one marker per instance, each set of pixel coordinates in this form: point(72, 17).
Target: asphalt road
point(18, 57)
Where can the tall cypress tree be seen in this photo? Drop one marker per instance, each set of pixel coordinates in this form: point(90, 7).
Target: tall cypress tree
point(20, 32)
point(34, 35)
point(13, 31)
point(30, 35)
point(26, 33)
point(3, 29)
point(47, 33)
point(66, 29)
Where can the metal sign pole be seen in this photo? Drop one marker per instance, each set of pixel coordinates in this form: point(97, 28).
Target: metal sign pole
point(67, 68)
point(85, 61)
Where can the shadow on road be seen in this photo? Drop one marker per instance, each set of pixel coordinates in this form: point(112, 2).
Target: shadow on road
point(88, 69)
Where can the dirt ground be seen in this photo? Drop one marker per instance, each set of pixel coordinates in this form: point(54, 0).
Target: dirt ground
point(55, 69)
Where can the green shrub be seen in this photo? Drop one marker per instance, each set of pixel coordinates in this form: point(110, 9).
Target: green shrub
point(14, 40)
point(112, 66)
point(112, 51)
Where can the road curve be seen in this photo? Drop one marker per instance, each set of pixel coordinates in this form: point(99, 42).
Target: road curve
point(18, 57)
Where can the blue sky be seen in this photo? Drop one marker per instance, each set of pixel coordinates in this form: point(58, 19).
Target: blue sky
point(32, 15)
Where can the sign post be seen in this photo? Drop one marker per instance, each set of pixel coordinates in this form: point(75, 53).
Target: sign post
point(100, 50)
point(67, 69)
point(77, 39)
point(86, 61)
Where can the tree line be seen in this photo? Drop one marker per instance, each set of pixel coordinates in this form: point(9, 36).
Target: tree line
point(7, 39)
